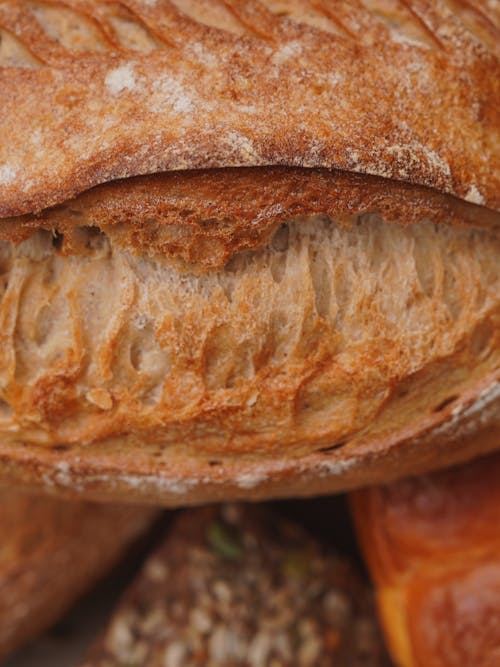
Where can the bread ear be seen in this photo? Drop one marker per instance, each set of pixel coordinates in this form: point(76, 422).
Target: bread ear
point(286, 278)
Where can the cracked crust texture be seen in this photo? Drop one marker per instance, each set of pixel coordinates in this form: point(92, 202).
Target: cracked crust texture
point(260, 330)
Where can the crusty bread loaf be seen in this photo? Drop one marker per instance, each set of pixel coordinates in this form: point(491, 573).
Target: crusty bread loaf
point(252, 331)
point(237, 586)
point(51, 553)
point(433, 546)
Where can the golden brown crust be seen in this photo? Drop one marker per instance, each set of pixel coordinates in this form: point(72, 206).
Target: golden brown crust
point(307, 91)
point(52, 552)
point(432, 545)
point(206, 217)
point(130, 468)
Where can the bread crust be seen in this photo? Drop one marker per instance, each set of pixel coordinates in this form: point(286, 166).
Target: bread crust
point(287, 351)
point(204, 218)
point(128, 468)
point(432, 546)
point(52, 553)
point(282, 91)
point(295, 368)
point(234, 586)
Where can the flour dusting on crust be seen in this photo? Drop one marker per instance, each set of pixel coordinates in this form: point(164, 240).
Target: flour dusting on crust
point(7, 174)
point(474, 196)
point(275, 92)
point(121, 78)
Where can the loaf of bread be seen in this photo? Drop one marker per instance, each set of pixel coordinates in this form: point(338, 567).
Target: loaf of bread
point(236, 586)
point(51, 553)
point(432, 544)
point(247, 249)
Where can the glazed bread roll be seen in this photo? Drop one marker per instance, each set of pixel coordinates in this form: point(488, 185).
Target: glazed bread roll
point(51, 553)
point(237, 586)
point(433, 547)
point(247, 249)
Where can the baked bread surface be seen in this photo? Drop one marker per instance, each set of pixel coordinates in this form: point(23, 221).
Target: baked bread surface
point(305, 356)
point(432, 545)
point(52, 552)
point(238, 586)
point(256, 331)
point(94, 91)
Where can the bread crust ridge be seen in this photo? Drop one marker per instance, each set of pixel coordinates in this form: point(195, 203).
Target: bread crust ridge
point(204, 218)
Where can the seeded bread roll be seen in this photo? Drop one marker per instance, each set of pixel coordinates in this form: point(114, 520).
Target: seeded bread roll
point(238, 586)
point(51, 553)
point(433, 547)
point(242, 253)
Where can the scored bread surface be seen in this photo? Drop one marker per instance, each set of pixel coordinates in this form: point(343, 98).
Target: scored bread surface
point(93, 91)
point(258, 330)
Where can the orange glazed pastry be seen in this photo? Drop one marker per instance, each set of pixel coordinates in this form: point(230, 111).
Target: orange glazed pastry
point(432, 544)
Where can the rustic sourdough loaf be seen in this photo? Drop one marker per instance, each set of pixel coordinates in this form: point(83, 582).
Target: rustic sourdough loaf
point(301, 296)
